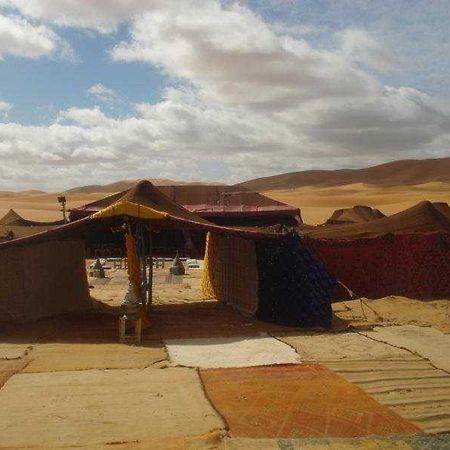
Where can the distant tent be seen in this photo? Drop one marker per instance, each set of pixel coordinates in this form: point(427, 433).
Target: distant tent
point(14, 225)
point(12, 218)
point(146, 206)
point(425, 217)
point(404, 254)
point(356, 214)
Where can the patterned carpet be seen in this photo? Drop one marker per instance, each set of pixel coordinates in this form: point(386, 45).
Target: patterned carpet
point(297, 401)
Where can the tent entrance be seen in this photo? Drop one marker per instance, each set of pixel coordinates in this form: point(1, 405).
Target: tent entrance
point(146, 261)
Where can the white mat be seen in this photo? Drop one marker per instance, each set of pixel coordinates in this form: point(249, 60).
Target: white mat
point(230, 352)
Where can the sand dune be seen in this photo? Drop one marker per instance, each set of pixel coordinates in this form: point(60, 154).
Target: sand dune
point(123, 185)
point(396, 173)
point(41, 206)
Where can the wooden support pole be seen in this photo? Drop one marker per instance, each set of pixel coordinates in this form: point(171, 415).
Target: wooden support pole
point(150, 269)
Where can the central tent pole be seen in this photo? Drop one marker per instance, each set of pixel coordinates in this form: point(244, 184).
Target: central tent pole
point(142, 257)
point(150, 268)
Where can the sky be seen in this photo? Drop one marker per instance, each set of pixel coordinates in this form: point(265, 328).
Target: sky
point(97, 91)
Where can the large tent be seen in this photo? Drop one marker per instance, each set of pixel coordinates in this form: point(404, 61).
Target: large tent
point(288, 284)
point(222, 205)
point(404, 254)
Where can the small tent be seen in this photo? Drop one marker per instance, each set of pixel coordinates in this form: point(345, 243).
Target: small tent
point(288, 285)
point(12, 225)
point(356, 214)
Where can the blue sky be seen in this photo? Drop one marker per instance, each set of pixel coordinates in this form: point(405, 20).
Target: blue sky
point(40, 88)
point(221, 91)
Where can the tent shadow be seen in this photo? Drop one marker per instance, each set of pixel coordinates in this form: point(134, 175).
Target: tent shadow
point(198, 319)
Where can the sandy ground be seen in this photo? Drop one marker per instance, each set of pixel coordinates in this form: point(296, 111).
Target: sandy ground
point(75, 385)
point(394, 310)
point(42, 206)
point(317, 203)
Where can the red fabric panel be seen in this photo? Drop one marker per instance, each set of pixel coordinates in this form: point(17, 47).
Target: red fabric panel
point(413, 265)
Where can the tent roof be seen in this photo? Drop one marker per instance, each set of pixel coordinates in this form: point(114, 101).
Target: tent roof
point(356, 214)
point(206, 200)
point(425, 217)
point(143, 202)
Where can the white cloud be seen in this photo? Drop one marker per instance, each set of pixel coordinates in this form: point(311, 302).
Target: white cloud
point(100, 15)
point(359, 46)
point(101, 92)
point(19, 37)
point(5, 106)
point(84, 117)
point(249, 100)
point(233, 57)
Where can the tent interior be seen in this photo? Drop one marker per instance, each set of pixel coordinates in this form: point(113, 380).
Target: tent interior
point(264, 274)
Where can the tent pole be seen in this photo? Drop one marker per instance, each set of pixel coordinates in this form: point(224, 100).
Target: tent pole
point(150, 269)
point(141, 244)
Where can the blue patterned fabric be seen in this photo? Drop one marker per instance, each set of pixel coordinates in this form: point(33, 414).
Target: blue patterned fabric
point(294, 288)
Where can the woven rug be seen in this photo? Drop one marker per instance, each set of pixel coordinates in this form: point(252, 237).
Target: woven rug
point(297, 401)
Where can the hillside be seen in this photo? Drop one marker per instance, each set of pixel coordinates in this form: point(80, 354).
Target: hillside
point(119, 186)
point(396, 173)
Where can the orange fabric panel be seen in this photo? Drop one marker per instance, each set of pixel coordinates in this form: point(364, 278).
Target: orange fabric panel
point(297, 401)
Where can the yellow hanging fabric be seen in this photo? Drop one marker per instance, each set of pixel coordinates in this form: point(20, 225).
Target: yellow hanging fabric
point(207, 278)
point(134, 269)
point(125, 208)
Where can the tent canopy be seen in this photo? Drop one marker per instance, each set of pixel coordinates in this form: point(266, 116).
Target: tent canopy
point(143, 202)
point(206, 201)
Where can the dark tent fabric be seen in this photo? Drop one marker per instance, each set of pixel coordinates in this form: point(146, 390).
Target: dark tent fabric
point(144, 193)
point(412, 265)
point(294, 287)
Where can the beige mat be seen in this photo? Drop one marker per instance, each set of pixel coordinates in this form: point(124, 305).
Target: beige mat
point(337, 346)
point(75, 356)
point(98, 407)
point(427, 342)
